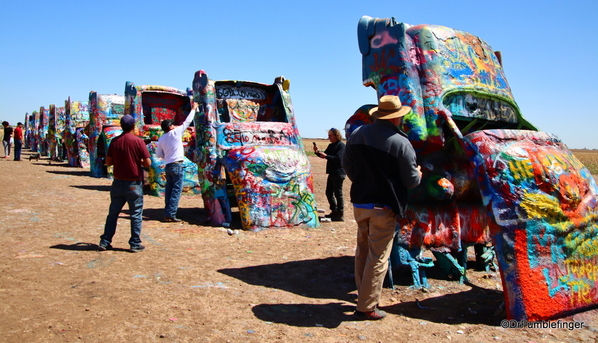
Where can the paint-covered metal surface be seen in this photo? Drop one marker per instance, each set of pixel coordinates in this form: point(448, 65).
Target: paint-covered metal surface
point(150, 105)
point(438, 71)
point(56, 133)
point(43, 145)
point(250, 154)
point(31, 132)
point(543, 203)
point(76, 135)
point(488, 174)
point(105, 111)
point(157, 175)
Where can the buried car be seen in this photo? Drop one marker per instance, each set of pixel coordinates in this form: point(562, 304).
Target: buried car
point(75, 137)
point(250, 155)
point(490, 176)
point(150, 105)
point(105, 111)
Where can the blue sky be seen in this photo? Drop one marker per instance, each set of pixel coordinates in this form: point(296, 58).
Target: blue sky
point(50, 50)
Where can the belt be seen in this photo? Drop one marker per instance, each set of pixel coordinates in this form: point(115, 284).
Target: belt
point(175, 162)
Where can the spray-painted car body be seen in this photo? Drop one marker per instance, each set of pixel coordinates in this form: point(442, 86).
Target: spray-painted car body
point(488, 173)
point(42, 131)
point(31, 132)
point(105, 111)
point(56, 133)
point(76, 139)
point(250, 153)
point(150, 105)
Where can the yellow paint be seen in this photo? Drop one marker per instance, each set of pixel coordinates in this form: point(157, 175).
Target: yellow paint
point(538, 205)
point(521, 169)
point(580, 292)
point(582, 268)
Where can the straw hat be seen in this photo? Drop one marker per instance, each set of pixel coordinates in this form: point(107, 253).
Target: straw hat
point(389, 107)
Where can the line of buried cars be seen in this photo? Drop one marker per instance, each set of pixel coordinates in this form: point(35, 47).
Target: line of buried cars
point(243, 151)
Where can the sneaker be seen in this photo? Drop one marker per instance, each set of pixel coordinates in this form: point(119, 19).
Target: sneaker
point(171, 220)
point(376, 314)
point(104, 247)
point(138, 248)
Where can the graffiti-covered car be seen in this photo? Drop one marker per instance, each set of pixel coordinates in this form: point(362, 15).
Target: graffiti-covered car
point(250, 154)
point(489, 174)
point(55, 134)
point(105, 111)
point(43, 146)
point(150, 105)
point(31, 133)
point(76, 137)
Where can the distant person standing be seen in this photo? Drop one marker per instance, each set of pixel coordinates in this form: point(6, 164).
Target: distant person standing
point(7, 140)
point(129, 155)
point(336, 175)
point(381, 163)
point(170, 149)
point(18, 133)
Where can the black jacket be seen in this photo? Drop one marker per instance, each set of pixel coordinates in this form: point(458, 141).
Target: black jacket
point(381, 163)
point(334, 154)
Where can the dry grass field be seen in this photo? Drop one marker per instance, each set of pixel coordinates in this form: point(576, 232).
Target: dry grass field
point(589, 158)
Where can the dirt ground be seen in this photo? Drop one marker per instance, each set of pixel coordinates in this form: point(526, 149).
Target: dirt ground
point(196, 283)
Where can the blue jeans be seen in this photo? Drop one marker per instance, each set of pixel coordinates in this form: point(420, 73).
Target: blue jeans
point(122, 192)
point(174, 188)
point(7, 146)
point(18, 148)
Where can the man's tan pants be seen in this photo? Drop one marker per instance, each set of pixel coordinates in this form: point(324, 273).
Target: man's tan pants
point(375, 231)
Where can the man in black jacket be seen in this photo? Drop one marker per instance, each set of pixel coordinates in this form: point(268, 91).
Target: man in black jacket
point(381, 163)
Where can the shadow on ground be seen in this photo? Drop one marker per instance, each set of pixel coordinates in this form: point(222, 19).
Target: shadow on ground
point(475, 306)
point(74, 172)
point(101, 188)
point(190, 215)
point(305, 315)
point(80, 246)
point(332, 278)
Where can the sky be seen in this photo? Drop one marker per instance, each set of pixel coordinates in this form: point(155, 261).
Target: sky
point(52, 50)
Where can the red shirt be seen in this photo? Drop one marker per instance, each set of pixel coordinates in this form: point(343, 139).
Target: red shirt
point(127, 151)
point(18, 133)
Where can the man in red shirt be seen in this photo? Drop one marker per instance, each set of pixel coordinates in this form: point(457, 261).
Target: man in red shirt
point(129, 155)
point(18, 138)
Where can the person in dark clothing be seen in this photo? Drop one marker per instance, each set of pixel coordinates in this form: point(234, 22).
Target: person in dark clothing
point(336, 175)
point(7, 140)
point(381, 163)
